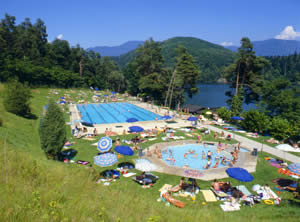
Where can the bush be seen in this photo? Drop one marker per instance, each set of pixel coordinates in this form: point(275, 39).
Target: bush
point(16, 98)
point(224, 113)
point(52, 131)
point(279, 128)
point(255, 121)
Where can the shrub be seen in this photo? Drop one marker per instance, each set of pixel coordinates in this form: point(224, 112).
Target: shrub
point(17, 98)
point(224, 113)
point(52, 130)
point(255, 121)
point(236, 105)
point(279, 128)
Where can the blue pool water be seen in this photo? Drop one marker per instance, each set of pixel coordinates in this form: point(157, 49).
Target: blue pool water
point(193, 161)
point(114, 113)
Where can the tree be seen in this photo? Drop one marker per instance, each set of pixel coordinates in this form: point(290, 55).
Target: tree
point(236, 105)
point(279, 128)
point(255, 121)
point(224, 113)
point(17, 98)
point(52, 130)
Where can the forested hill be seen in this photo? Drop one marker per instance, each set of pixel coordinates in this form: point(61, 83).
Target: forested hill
point(209, 57)
point(116, 50)
point(273, 47)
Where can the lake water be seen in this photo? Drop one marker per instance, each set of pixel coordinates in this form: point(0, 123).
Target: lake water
point(212, 95)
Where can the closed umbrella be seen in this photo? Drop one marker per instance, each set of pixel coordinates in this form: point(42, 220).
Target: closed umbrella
point(124, 150)
point(237, 118)
point(132, 120)
point(105, 159)
point(166, 117)
point(192, 118)
point(104, 144)
point(136, 129)
point(239, 174)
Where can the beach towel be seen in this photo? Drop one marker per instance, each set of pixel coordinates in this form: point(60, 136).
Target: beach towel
point(129, 174)
point(89, 138)
point(209, 196)
point(267, 194)
point(165, 187)
point(227, 206)
point(220, 194)
point(244, 190)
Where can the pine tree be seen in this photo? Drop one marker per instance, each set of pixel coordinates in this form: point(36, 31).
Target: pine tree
point(52, 130)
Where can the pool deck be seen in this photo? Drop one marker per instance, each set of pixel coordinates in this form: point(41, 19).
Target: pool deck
point(245, 160)
point(120, 127)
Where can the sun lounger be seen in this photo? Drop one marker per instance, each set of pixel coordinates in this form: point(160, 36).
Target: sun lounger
point(244, 190)
point(209, 196)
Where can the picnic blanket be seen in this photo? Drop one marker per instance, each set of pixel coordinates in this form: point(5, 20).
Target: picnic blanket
point(209, 196)
point(244, 190)
point(165, 187)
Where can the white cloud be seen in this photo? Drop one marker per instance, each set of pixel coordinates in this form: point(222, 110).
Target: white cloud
point(226, 44)
point(288, 33)
point(60, 36)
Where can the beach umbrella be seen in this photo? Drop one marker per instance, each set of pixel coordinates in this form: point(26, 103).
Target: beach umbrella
point(113, 92)
point(105, 95)
point(131, 120)
point(208, 113)
point(105, 159)
point(136, 129)
point(144, 165)
point(166, 117)
point(124, 150)
point(87, 124)
point(62, 102)
point(239, 174)
point(294, 168)
point(96, 89)
point(192, 118)
point(62, 97)
point(104, 144)
point(237, 118)
point(285, 147)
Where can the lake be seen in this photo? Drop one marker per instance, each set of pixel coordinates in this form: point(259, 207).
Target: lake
point(212, 95)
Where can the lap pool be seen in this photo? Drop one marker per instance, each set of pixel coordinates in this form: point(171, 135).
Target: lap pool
point(114, 113)
point(193, 160)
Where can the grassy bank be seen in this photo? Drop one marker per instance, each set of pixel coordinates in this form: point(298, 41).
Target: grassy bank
point(33, 188)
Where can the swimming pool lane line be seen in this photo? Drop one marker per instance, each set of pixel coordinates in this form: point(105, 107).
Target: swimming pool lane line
point(142, 118)
point(110, 114)
point(87, 114)
point(117, 111)
point(141, 110)
point(101, 117)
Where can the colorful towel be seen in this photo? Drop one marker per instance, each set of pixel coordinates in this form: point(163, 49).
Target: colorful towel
point(209, 196)
point(129, 174)
point(244, 190)
point(227, 206)
point(220, 194)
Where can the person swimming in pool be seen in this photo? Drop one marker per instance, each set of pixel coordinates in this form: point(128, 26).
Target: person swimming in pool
point(217, 164)
point(208, 164)
point(209, 155)
point(203, 155)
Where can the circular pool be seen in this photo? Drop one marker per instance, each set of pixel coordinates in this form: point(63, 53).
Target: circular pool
point(191, 156)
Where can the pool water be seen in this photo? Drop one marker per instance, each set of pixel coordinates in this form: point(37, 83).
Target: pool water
point(114, 113)
point(194, 160)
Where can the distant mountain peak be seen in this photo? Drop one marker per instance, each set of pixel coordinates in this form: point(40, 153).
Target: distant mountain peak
point(116, 50)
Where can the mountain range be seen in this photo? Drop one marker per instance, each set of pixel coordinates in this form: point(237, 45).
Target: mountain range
point(273, 47)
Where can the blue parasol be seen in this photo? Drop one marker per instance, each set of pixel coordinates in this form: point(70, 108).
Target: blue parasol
point(136, 129)
point(104, 144)
point(124, 150)
point(105, 95)
point(166, 117)
point(62, 97)
point(192, 118)
point(237, 118)
point(294, 168)
point(131, 120)
point(105, 159)
point(239, 174)
point(62, 102)
point(96, 89)
point(113, 92)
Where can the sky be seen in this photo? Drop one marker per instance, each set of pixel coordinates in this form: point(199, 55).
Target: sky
point(113, 22)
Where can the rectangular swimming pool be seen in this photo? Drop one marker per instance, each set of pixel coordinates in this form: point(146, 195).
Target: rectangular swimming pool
point(114, 113)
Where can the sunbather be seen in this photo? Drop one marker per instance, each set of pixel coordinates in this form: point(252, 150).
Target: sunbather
point(180, 186)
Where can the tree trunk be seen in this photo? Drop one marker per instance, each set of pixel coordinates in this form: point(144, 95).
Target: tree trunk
point(80, 66)
point(169, 88)
point(237, 80)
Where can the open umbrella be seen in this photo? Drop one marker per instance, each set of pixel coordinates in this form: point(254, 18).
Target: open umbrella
point(166, 117)
point(239, 174)
point(237, 118)
point(113, 92)
point(62, 102)
point(104, 144)
point(131, 120)
point(192, 118)
point(136, 129)
point(105, 159)
point(294, 168)
point(124, 150)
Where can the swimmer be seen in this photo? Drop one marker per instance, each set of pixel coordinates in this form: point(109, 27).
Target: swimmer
point(217, 164)
point(209, 154)
point(195, 155)
point(207, 165)
point(203, 155)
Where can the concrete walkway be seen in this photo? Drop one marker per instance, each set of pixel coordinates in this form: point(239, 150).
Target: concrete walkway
point(250, 144)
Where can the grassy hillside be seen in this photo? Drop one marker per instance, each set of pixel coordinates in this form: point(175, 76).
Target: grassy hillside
point(33, 188)
point(209, 57)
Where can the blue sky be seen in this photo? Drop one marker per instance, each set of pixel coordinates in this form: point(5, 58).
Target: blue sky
point(112, 22)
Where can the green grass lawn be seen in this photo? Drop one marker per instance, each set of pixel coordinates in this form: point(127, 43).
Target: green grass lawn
point(33, 188)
